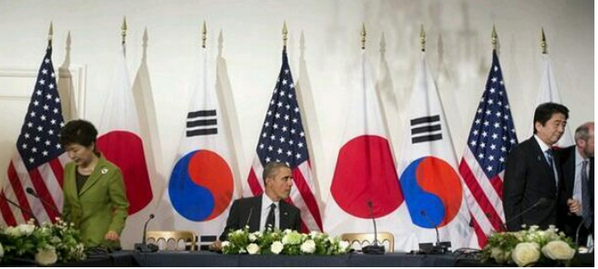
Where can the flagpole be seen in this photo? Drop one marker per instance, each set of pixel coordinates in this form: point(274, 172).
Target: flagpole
point(422, 38)
point(204, 36)
point(285, 32)
point(50, 34)
point(543, 43)
point(494, 37)
point(363, 35)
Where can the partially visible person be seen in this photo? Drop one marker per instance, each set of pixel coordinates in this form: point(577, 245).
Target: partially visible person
point(94, 190)
point(532, 176)
point(268, 210)
point(577, 202)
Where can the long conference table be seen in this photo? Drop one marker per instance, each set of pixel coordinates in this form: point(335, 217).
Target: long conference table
point(205, 258)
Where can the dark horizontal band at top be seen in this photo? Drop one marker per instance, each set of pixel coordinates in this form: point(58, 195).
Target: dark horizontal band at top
point(425, 119)
point(201, 113)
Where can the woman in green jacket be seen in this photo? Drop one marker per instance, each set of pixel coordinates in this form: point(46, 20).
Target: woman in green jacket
point(94, 191)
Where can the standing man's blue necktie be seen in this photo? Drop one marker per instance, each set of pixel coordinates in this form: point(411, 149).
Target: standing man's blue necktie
point(550, 159)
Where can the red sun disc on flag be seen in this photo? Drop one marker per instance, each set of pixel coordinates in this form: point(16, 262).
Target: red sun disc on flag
point(365, 172)
point(125, 149)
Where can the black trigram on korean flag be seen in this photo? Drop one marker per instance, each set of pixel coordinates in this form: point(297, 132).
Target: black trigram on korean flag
point(426, 129)
point(202, 122)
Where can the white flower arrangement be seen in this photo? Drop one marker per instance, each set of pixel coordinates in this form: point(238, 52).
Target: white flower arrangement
point(530, 247)
point(287, 242)
point(46, 245)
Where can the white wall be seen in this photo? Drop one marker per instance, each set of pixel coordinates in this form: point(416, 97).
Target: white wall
point(459, 54)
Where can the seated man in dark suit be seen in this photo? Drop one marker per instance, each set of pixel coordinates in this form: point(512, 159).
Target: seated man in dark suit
point(577, 200)
point(267, 210)
point(531, 182)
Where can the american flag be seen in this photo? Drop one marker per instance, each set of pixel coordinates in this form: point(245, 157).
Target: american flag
point(39, 158)
point(282, 139)
point(490, 140)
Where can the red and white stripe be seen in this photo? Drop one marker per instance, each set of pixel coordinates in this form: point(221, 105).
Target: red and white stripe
point(46, 180)
point(484, 197)
point(302, 194)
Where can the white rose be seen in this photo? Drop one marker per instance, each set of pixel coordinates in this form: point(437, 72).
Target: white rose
point(558, 250)
point(253, 249)
point(525, 253)
point(13, 231)
point(308, 246)
point(225, 244)
point(46, 256)
point(252, 238)
point(26, 229)
point(276, 247)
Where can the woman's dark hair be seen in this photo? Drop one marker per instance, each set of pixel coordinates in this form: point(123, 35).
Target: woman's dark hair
point(545, 111)
point(80, 132)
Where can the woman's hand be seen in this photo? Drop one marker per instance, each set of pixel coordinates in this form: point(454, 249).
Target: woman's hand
point(111, 236)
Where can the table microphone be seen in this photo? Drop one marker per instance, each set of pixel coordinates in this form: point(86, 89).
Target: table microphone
point(27, 211)
point(143, 247)
point(373, 248)
point(249, 217)
point(51, 206)
point(583, 221)
point(540, 201)
point(438, 248)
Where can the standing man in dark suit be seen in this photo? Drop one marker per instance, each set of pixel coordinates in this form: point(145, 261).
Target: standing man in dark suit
point(268, 210)
point(577, 200)
point(532, 178)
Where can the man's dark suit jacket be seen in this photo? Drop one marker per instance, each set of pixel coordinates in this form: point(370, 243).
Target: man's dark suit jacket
point(569, 222)
point(528, 178)
point(247, 211)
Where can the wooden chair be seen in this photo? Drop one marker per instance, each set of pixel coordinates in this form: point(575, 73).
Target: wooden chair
point(170, 240)
point(368, 238)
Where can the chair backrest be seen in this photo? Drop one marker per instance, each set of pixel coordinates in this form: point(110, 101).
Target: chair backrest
point(368, 238)
point(157, 237)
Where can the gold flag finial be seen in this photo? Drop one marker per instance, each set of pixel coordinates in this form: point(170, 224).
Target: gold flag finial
point(204, 35)
point(494, 37)
point(285, 32)
point(50, 34)
point(123, 29)
point(363, 35)
point(543, 43)
point(422, 38)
